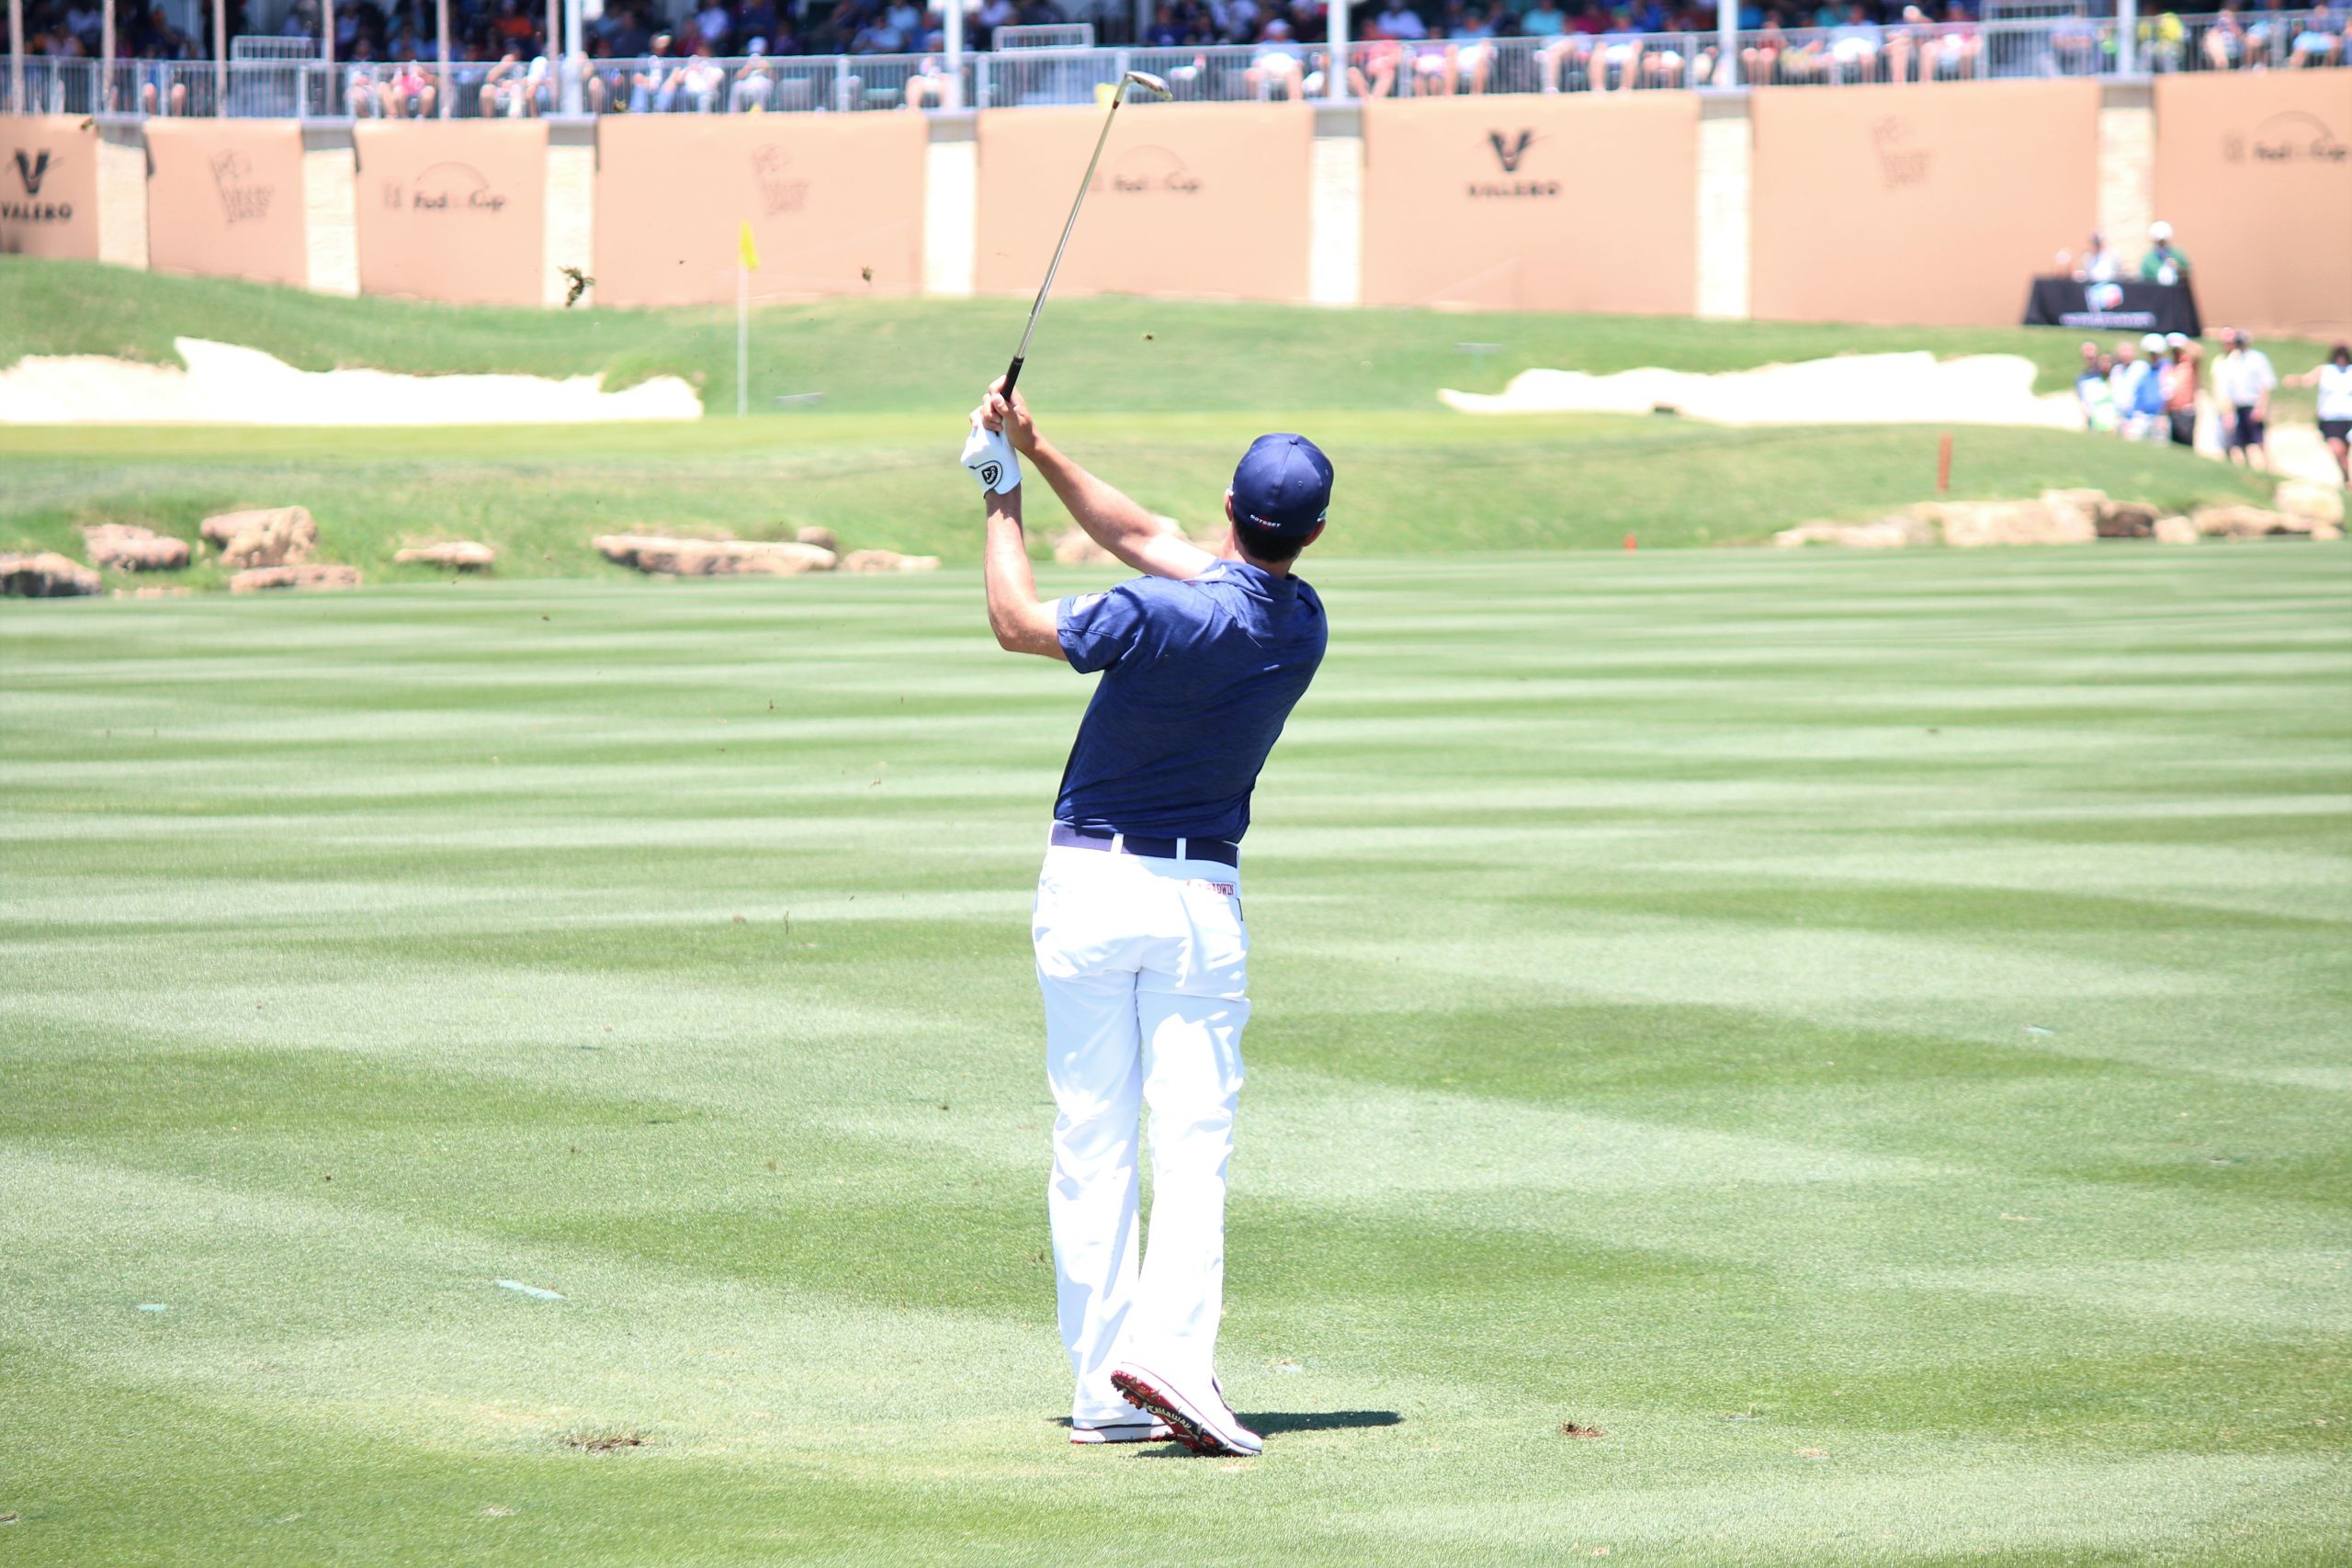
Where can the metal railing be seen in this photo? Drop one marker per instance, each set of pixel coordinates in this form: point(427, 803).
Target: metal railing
point(1576, 63)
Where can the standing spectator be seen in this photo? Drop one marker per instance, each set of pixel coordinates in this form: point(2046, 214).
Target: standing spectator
point(753, 89)
point(2163, 40)
point(1276, 66)
point(2098, 265)
point(651, 75)
point(1401, 21)
point(2163, 264)
point(2074, 43)
point(2243, 381)
point(2224, 43)
point(2334, 380)
point(2148, 421)
point(711, 25)
point(1854, 45)
point(630, 37)
point(2091, 394)
point(2124, 378)
point(992, 15)
point(2180, 378)
point(2318, 44)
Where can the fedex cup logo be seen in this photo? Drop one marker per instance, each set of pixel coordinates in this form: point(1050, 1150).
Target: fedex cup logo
point(2103, 296)
point(241, 201)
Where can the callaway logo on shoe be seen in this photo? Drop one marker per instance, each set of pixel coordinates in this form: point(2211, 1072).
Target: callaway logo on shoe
point(1202, 1421)
point(1137, 1431)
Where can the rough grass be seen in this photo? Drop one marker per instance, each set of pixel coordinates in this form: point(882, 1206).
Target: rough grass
point(1865, 1033)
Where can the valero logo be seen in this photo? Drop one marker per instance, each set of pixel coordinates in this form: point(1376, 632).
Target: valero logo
point(241, 201)
point(1510, 148)
point(32, 168)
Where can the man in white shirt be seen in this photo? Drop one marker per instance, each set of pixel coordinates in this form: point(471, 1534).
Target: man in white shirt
point(2124, 390)
point(2334, 380)
point(2243, 381)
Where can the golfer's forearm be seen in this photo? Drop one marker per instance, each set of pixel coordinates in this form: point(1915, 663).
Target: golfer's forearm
point(1114, 521)
point(1021, 625)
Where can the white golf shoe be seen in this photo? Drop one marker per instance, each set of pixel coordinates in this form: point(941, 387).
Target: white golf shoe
point(1204, 1422)
point(1136, 1431)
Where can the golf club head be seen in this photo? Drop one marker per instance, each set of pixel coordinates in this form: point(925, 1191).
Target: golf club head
point(1150, 83)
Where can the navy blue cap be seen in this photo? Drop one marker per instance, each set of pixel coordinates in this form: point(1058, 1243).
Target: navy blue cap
point(1283, 485)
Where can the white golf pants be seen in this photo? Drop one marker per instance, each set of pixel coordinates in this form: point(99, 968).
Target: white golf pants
point(1144, 967)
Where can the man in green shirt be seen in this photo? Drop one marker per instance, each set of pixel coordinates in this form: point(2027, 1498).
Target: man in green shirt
point(2163, 264)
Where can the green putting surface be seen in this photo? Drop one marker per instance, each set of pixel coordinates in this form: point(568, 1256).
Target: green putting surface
point(1868, 1033)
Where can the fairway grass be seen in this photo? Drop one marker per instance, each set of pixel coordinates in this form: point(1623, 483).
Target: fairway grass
point(1867, 1033)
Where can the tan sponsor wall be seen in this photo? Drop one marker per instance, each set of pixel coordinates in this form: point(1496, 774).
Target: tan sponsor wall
point(2255, 175)
point(454, 211)
point(1190, 200)
point(224, 199)
point(835, 203)
point(1931, 205)
point(48, 186)
point(1554, 203)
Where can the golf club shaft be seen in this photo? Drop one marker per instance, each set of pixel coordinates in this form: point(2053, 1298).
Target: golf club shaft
point(1013, 371)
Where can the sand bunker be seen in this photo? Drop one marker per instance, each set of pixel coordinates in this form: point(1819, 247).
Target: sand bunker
point(1854, 389)
point(227, 385)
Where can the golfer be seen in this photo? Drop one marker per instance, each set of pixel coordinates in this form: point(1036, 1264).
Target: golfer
point(1141, 950)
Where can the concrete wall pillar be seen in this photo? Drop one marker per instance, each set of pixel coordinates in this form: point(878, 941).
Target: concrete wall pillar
point(330, 201)
point(1334, 254)
point(2127, 168)
point(122, 202)
point(572, 214)
point(951, 215)
point(1726, 156)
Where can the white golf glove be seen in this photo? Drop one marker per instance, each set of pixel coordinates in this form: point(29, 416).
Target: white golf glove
point(992, 459)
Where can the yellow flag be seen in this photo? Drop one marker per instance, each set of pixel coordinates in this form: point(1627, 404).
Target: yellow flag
point(751, 251)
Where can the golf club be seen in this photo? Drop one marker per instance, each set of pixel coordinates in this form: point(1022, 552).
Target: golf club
point(1158, 89)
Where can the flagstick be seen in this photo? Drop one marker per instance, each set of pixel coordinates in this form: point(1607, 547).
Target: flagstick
point(742, 336)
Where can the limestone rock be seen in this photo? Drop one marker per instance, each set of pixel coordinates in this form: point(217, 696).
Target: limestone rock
point(2306, 498)
point(44, 575)
point(2176, 531)
point(1078, 548)
point(823, 538)
point(2077, 511)
point(260, 578)
point(282, 536)
point(2128, 519)
point(464, 555)
point(712, 557)
point(886, 560)
point(1971, 524)
point(2249, 523)
point(126, 547)
point(1886, 533)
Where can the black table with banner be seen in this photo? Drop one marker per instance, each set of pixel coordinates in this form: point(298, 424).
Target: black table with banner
point(2131, 306)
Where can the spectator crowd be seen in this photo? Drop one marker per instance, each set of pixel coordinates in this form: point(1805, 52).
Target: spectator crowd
point(1430, 46)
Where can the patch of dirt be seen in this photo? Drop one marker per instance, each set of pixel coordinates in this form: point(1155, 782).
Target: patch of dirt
point(1579, 1429)
point(605, 1442)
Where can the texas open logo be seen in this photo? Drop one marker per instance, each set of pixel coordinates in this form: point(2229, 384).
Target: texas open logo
point(241, 201)
point(1140, 171)
point(1511, 150)
point(2103, 296)
point(779, 191)
point(32, 168)
point(1899, 163)
point(2293, 137)
point(446, 188)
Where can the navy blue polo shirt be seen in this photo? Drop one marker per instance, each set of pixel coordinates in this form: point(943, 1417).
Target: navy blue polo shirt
point(1198, 676)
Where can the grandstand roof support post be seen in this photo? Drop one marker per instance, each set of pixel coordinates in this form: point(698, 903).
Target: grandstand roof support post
point(220, 57)
point(326, 38)
point(103, 99)
point(17, 56)
point(1335, 34)
point(441, 27)
point(1727, 43)
point(2127, 37)
point(953, 97)
point(572, 60)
